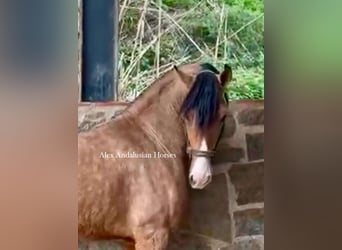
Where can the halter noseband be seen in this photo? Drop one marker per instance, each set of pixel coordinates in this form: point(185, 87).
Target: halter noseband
point(200, 153)
point(205, 153)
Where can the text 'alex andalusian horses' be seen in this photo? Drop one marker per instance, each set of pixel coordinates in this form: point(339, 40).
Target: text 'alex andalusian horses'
point(132, 171)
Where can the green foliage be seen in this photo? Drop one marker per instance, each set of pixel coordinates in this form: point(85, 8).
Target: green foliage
point(202, 33)
point(247, 85)
point(252, 5)
point(179, 4)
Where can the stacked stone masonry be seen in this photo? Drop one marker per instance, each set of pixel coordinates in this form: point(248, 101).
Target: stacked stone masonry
point(229, 213)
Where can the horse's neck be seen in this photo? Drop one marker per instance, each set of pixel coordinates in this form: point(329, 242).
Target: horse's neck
point(157, 113)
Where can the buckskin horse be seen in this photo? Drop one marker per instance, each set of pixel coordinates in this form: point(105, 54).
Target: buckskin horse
point(179, 117)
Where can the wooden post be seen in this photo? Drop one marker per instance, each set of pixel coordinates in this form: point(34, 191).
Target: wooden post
point(116, 49)
point(80, 38)
point(99, 50)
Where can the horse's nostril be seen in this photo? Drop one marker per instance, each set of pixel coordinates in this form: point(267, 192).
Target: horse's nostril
point(192, 182)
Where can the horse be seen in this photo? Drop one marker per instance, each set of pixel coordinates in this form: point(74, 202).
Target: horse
point(132, 170)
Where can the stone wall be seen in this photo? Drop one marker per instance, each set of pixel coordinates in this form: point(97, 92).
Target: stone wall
point(229, 213)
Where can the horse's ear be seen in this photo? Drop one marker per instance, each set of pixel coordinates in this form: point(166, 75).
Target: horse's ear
point(227, 75)
point(187, 79)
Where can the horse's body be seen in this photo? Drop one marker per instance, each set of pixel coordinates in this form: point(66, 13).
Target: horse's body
point(138, 198)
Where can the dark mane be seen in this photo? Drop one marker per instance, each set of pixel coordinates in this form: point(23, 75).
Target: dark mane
point(210, 67)
point(202, 98)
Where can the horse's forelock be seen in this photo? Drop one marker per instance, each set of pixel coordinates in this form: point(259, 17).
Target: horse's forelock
point(202, 99)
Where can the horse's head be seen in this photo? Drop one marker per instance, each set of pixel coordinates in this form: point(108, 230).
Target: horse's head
point(204, 110)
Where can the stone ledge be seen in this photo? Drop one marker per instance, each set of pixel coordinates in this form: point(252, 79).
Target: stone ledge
point(89, 115)
point(238, 106)
point(101, 104)
point(251, 116)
